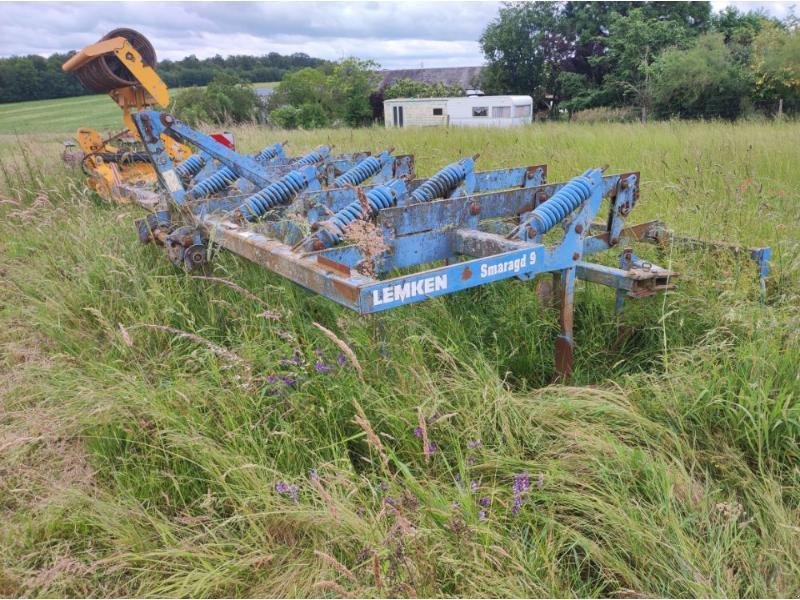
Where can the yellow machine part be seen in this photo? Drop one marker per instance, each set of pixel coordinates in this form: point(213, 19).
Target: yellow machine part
point(142, 89)
point(106, 177)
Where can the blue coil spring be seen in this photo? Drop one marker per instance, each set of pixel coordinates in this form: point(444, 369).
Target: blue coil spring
point(268, 153)
point(551, 212)
point(360, 173)
point(215, 182)
point(224, 176)
point(378, 198)
point(441, 183)
point(191, 166)
point(275, 194)
point(312, 157)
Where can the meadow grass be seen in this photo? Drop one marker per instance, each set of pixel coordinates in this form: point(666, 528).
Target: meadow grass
point(163, 434)
point(66, 115)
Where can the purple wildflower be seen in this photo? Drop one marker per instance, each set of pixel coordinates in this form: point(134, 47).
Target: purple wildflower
point(431, 449)
point(390, 501)
point(321, 367)
point(522, 483)
point(473, 486)
point(289, 381)
point(517, 505)
point(384, 485)
point(287, 489)
point(418, 432)
point(473, 444)
point(272, 379)
point(341, 359)
point(295, 360)
point(485, 502)
point(481, 515)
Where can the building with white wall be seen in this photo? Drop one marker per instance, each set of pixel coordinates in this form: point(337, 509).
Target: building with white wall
point(466, 111)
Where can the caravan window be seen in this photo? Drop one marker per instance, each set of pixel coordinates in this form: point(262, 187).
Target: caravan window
point(437, 111)
point(522, 111)
point(501, 112)
point(480, 111)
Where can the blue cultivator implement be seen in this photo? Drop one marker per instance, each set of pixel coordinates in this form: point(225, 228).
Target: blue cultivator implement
point(298, 218)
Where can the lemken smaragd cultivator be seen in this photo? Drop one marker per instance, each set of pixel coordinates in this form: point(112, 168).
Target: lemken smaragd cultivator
point(362, 231)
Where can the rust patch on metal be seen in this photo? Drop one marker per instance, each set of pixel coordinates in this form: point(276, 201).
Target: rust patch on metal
point(636, 232)
point(563, 359)
point(348, 291)
point(530, 172)
point(332, 264)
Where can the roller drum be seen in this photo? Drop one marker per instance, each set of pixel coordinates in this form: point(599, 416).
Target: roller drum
point(106, 72)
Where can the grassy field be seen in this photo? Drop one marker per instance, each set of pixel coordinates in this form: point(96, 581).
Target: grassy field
point(65, 115)
point(162, 434)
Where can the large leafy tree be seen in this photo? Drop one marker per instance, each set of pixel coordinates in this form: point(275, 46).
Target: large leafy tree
point(590, 53)
point(325, 96)
point(227, 99)
point(701, 81)
point(352, 81)
point(633, 45)
point(776, 65)
point(525, 49)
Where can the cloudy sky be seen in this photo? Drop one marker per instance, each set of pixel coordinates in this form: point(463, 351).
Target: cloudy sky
point(397, 35)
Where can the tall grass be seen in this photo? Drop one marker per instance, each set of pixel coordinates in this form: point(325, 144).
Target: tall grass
point(162, 434)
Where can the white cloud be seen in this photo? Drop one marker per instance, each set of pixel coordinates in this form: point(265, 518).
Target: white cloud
point(396, 34)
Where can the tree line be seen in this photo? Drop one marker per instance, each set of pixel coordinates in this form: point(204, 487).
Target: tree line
point(35, 77)
point(665, 59)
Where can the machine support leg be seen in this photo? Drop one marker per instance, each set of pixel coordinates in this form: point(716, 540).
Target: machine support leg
point(564, 284)
point(625, 262)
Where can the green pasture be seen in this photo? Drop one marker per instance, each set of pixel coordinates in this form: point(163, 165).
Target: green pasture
point(167, 434)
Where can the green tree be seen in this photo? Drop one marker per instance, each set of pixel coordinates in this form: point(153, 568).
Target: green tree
point(776, 66)
point(351, 82)
point(701, 81)
point(309, 85)
point(585, 53)
point(319, 97)
point(524, 49)
point(634, 43)
point(409, 88)
point(227, 99)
